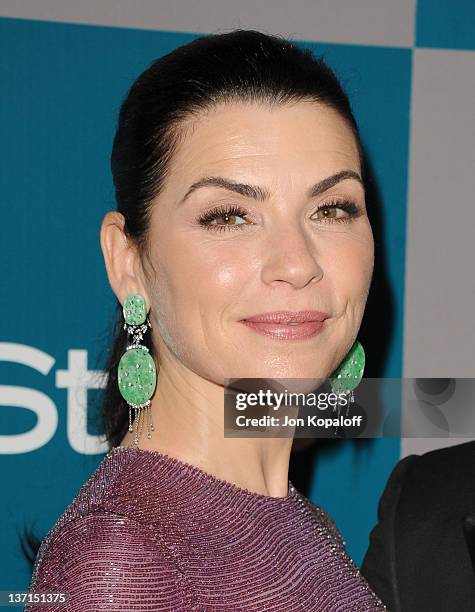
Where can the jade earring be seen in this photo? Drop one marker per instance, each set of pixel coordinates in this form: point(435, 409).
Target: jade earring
point(137, 375)
point(350, 372)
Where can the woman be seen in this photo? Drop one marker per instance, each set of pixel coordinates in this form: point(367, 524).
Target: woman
point(238, 173)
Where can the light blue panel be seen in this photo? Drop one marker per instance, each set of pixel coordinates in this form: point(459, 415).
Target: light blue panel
point(445, 24)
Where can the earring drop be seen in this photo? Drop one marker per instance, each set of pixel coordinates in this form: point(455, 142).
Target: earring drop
point(350, 372)
point(137, 375)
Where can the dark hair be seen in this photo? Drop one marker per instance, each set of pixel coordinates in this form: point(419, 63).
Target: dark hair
point(238, 66)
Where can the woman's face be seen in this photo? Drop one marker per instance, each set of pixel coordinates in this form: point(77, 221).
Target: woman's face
point(271, 253)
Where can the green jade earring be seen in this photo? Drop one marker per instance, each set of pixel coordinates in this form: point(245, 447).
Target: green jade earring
point(349, 373)
point(137, 375)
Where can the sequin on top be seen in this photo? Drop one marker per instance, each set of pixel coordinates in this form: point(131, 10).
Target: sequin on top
point(150, 532)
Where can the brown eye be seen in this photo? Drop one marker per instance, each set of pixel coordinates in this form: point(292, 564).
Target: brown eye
point(228, 215)
point(228, 218)
point(329, 212)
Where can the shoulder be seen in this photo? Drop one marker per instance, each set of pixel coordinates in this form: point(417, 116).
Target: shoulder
point(323, 519)
point(443, 468)
point(442, 477)
point(421, 493)
point(102, 558)
point(93, 495)
point(120, 485)
point(448, 459)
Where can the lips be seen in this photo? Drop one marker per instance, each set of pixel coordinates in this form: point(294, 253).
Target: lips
point(287, 317)
point(287, 325)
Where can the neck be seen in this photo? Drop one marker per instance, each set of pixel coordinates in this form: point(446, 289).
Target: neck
point(188, 418)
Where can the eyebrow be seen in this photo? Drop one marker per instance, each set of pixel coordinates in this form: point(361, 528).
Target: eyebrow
point(261, 194)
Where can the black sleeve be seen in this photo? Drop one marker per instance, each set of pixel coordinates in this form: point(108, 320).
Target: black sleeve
point(379, 567)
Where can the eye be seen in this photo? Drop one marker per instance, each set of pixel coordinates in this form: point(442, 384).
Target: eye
point(329, 211)
point(227, 214)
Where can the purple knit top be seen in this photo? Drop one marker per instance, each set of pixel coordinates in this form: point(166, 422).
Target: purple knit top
point(150, 532)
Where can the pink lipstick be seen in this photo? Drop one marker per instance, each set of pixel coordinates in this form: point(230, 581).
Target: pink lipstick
point(287, 324)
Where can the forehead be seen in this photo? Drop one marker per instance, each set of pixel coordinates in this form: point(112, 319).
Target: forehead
point(241, 137)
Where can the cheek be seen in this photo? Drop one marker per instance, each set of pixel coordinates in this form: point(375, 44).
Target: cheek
point(349, 264)
point(200, 294)
point(213, 276)
point(200, 285)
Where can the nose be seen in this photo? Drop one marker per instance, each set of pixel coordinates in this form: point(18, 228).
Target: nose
point(290, 255)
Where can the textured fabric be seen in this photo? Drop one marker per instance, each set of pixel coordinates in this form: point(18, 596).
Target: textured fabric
point(150, 532)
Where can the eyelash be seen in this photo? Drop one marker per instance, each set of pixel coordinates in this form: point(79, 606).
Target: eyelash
point(347, 205)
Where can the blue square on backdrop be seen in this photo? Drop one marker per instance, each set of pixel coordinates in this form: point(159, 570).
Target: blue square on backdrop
point(445, 25)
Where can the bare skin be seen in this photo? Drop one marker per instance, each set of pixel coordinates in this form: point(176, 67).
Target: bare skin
point(205, 280)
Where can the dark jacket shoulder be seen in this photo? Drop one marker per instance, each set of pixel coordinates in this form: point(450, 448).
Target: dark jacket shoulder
point(421, 554)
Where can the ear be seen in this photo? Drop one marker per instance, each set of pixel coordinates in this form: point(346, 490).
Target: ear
point(121, 258)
